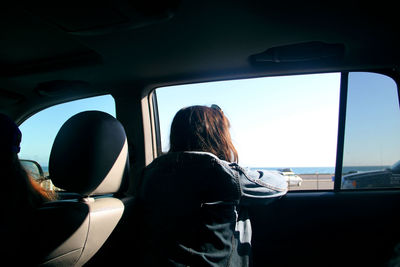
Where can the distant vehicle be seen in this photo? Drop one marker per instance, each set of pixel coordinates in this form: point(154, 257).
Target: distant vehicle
point(291, 177)
point(386, 178)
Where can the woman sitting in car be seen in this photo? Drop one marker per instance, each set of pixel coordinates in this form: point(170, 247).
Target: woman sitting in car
point(21, 195)
point(193, 199)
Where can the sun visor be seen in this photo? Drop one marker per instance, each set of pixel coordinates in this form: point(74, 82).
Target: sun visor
point(8, 98)
point(103, 17)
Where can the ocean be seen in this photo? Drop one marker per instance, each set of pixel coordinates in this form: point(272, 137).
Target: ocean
point(325, 170)
point(310, 170)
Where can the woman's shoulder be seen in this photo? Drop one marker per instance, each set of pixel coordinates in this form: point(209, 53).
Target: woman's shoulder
point(183, 157)
point(195, 162)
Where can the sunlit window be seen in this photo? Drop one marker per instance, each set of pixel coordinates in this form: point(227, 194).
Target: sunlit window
point(284, 123)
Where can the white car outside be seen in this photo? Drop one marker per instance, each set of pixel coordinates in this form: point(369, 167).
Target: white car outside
point(291, 177)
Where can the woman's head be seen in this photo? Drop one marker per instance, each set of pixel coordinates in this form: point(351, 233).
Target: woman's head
point(201, 128)
point(22, 190)
point(10, 136)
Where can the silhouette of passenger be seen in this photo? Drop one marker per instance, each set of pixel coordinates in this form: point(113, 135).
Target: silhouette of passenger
point(194, 199)
point(20, 194)
point(24, 191)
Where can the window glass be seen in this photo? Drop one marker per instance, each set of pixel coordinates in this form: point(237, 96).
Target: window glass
point(40, 130)
point(372, 144)
point(286, 123)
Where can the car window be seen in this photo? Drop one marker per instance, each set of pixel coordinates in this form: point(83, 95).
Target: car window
point(372, 144)
point(285, 123)
point(40, 130)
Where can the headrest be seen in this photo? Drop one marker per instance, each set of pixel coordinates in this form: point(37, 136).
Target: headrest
point(90, 154)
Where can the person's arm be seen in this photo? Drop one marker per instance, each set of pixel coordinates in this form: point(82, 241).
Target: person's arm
point(260, 184)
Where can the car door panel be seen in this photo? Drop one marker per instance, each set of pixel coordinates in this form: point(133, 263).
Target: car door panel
point(327, 229)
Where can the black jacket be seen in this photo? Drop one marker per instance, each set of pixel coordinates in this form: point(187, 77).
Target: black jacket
point(190, 213)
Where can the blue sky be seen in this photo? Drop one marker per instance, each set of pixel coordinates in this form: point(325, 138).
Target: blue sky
point(372, 122)
point(286, 121)
point(278, 121)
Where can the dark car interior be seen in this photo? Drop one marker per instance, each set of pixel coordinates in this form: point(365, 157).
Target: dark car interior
point(69, 50)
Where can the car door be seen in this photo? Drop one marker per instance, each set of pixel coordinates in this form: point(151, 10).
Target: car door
point(358, 227)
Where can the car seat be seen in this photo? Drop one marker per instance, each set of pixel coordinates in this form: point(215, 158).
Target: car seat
point(89, 157)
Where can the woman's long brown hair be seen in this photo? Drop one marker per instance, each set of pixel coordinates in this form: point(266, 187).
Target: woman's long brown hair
point(201, 128)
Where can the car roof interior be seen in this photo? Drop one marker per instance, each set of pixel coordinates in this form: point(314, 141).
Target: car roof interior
point(66, 50)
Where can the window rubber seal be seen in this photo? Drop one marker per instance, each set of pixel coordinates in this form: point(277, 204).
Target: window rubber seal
point(341, 130)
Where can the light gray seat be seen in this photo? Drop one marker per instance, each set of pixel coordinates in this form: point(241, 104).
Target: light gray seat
point(89, 157)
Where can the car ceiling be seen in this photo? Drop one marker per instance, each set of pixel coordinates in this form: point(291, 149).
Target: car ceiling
point(66, 50)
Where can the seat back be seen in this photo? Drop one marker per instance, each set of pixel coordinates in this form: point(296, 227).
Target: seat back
point(89, 157)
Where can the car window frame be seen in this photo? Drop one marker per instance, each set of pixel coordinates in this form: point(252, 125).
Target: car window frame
point(343, 93)
point(391, 73)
